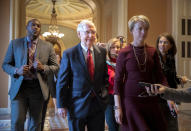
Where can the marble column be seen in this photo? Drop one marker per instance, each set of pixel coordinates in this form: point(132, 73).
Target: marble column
point(17, 25)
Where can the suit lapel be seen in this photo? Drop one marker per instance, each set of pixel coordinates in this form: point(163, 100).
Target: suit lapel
point(25, 51)
point(38, 47)
point(96, 59)
point(81, 57)
point(83, 62)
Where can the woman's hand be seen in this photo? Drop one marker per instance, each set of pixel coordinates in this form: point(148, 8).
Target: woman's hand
point(118, 115)
point(118, 109)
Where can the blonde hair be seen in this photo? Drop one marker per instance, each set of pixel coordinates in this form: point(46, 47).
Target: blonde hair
point(138, 18)
point(110, 43)
point(84, 23)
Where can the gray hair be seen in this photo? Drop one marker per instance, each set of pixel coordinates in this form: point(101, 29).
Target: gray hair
point(83, 23)
point(138, 18)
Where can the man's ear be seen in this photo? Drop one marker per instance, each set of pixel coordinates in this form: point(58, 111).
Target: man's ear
point(78, 33)
point(27, 27)
point(131, 32)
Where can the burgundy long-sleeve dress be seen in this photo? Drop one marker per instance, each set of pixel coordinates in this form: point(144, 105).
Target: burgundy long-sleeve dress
point(140, 113)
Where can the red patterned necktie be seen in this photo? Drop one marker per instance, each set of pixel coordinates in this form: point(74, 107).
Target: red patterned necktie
point(90, 64)
point(32, 48)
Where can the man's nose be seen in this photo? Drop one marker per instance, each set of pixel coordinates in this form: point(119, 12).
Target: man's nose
point(36, 26)
point(143, 31)
point(91, 34)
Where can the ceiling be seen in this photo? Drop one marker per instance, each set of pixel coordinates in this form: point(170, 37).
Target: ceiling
point(69, 12)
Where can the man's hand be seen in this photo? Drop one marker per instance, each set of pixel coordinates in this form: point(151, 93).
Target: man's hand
point(155, 89)
point(38, 65)
point(101, 44)
point(23, 70)
point(62, 112)
point(184, 79)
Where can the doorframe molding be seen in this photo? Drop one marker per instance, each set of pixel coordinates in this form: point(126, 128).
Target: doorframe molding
point(175, 27)
point(176, 32)
point(4, 111)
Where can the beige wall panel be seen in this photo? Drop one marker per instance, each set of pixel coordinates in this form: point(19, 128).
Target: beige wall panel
point(4, 36)
point(158, 11)
point(109, 28)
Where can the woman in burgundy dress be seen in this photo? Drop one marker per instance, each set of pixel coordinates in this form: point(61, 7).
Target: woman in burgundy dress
point(138, 62)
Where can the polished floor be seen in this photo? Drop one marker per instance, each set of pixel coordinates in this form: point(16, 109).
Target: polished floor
point(56, 123)
point(53, 122)
point(184, 120)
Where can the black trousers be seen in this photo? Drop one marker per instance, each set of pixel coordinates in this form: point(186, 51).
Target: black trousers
point(95, 120)
point(29, 99)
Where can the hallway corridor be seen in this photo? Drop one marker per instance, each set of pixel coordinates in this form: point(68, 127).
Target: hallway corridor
point(52, 123)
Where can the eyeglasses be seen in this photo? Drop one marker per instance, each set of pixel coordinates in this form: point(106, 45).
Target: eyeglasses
point(90, 32)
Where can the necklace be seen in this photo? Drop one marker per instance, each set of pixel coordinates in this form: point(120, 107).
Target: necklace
point(142, 66)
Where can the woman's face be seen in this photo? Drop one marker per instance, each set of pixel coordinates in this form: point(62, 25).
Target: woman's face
point(58, 58)
point(164, 45)
point(139, 31)
point(114, 49)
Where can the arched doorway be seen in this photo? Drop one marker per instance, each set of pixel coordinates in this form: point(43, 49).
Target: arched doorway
point(69, 14)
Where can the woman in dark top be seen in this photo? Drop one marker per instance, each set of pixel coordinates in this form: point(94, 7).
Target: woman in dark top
point(166, 49)
point(138, 62)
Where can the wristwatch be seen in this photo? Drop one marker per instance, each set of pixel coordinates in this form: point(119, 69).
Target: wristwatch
point(15, 73)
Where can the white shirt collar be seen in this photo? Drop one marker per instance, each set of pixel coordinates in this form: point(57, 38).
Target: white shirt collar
point(86, 48)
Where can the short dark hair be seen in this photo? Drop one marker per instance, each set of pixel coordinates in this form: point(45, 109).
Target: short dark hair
point(32, 20)
point(172, 51)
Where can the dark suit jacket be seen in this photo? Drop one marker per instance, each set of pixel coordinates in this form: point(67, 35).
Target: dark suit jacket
point(16, 56)
point(73, 89)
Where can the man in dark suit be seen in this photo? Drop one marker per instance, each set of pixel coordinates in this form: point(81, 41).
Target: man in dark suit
point(29, 61)
point(81, 79)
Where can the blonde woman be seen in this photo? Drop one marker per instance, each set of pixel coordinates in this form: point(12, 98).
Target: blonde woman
point(138, 62)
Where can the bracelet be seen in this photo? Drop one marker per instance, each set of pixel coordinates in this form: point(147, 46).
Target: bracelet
point(116, 107)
